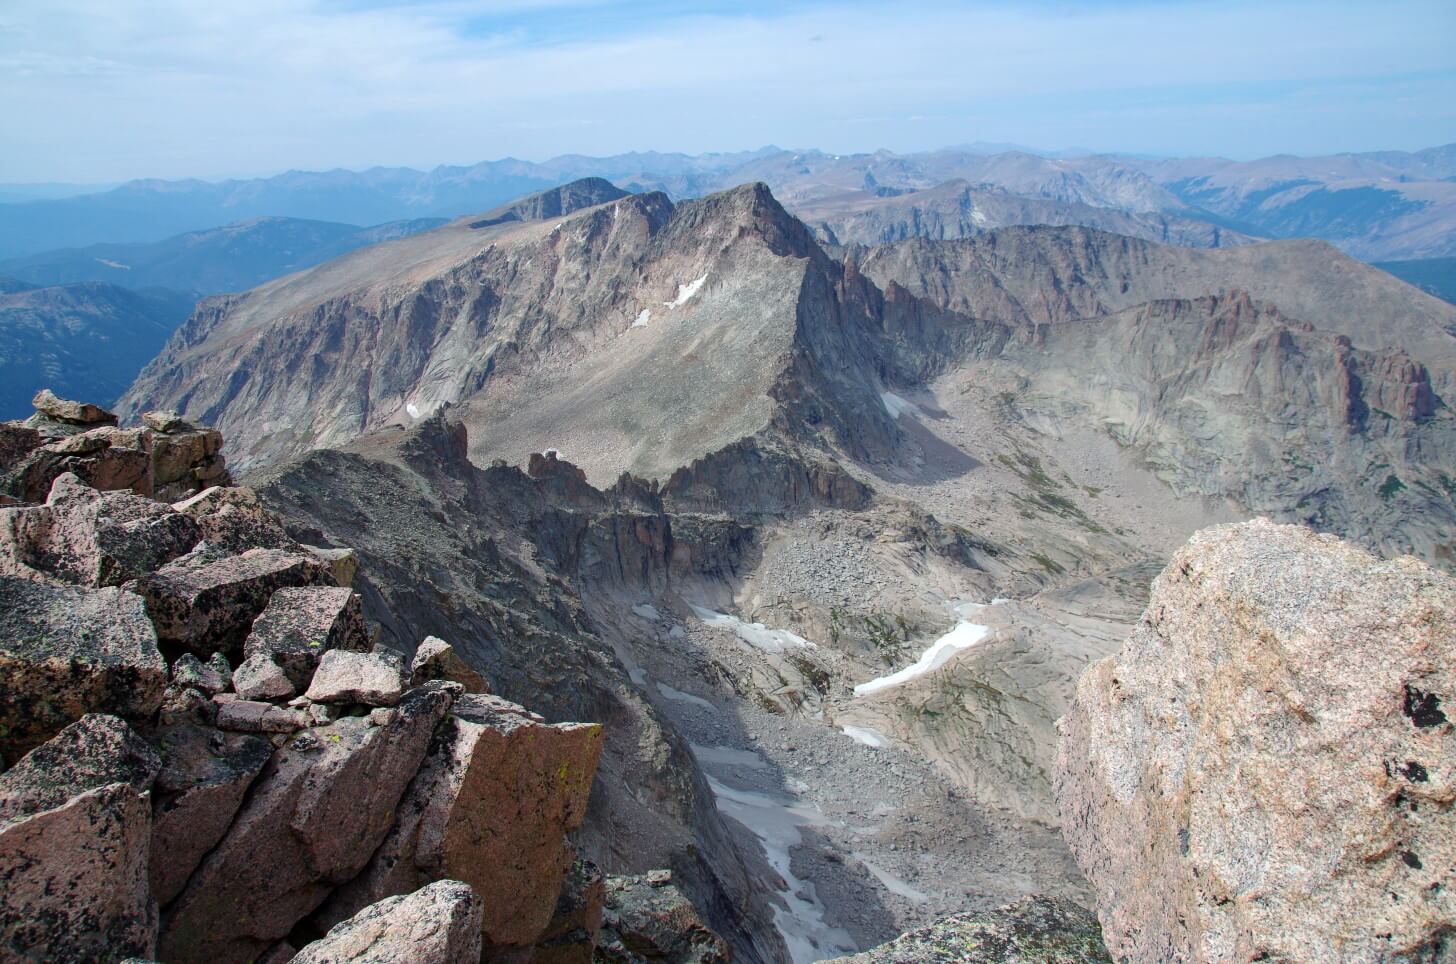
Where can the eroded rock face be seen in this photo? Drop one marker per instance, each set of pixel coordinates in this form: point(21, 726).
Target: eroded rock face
point(1265, 769)
point(571, 936)
point(648, 918)
point(81, 413)
point(319, 809)
point(437, 924)
point(1030, 931)
point(75, 824)
point(490, 806)
point(66, 651)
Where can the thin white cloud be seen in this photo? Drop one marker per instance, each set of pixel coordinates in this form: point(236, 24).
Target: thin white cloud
point(101, 90)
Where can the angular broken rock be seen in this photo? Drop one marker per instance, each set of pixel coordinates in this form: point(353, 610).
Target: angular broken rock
point(571, 936)
point(74, 836)
point(251, 716)
point(437, 659)
point(348, 677)
point(300, 625)
point(437, 924)
point(95, 751)
point(1031, 930)
point(67, 651)
point(197, 794)
point(342, 562)
point(656, 922)
point(323, 804)
point(94, 459)
point(491, 806)
point(166, 421)
point(211, 677)
point(1266, 769)
point(89, 537)
point(82, 413)
point(232, 517)
point(259, 678)
point(211, 607)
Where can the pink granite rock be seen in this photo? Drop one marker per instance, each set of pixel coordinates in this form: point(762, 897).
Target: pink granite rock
point(437, 924)
point(300, 625)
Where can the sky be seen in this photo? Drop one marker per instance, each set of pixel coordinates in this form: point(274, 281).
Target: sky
point(99, 91)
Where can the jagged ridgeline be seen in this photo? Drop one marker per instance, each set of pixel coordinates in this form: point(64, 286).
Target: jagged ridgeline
point(798, 551)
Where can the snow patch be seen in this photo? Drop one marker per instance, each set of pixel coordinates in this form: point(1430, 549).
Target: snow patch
point(686, 292)
point(965, 635)
point(413, 411)
point(979, 217)
point(647, 611)
point(114, 264)
point(776, 822)
point(643, 317)
point(756, 635)
point(865, 735)
point(728, 756)
point(898, 406)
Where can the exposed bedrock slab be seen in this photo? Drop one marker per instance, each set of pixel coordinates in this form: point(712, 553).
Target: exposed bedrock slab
point(1267, 768)
point(66, 651)
point(322, 805)
point(490, 806)
point(437, 924)
point(372, 679)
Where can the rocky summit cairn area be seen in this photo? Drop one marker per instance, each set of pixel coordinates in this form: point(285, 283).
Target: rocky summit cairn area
point(206, 759)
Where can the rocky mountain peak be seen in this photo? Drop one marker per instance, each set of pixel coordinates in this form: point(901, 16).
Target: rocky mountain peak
point(554, 202)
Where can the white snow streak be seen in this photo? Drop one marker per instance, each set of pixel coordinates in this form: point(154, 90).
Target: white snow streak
point(894, 884)
point(898, 406)
point(865, 735)
point(678, 696)
point(643, 317)
point(114, 264)
point(754, 634)
point(685, 292)
point(413, 411)
point(965, 635)
point(776, 823)
point(647, 611)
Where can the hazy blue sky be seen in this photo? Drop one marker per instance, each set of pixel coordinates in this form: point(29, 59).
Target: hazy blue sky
point(102, 90)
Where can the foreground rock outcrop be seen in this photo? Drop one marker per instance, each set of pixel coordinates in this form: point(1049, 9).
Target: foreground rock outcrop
point(170, 794)
point(1265, 770)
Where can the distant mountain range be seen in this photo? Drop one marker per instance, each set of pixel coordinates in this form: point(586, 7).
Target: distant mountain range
point(231, 258)
point(79, 340)
point(1387, 205)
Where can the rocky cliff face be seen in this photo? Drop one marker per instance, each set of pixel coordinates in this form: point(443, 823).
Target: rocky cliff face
point(1263, 771)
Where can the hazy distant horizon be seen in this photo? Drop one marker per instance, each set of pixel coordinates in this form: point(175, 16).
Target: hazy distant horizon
point(10, 191)
point(107, 92)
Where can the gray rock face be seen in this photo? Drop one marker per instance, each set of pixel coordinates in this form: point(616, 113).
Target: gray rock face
point(571, 936)
point(197, 794)
point(252, 716)
point(67, 651)
point(259, 678)
point(74, 839)
point(1031, 931)
point(348, 677)
point(491, 806)
point(211, 607)
point(232, 518)
point(1264, 770)
point(322, 805)
point(300, 625)
point(437, 924)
